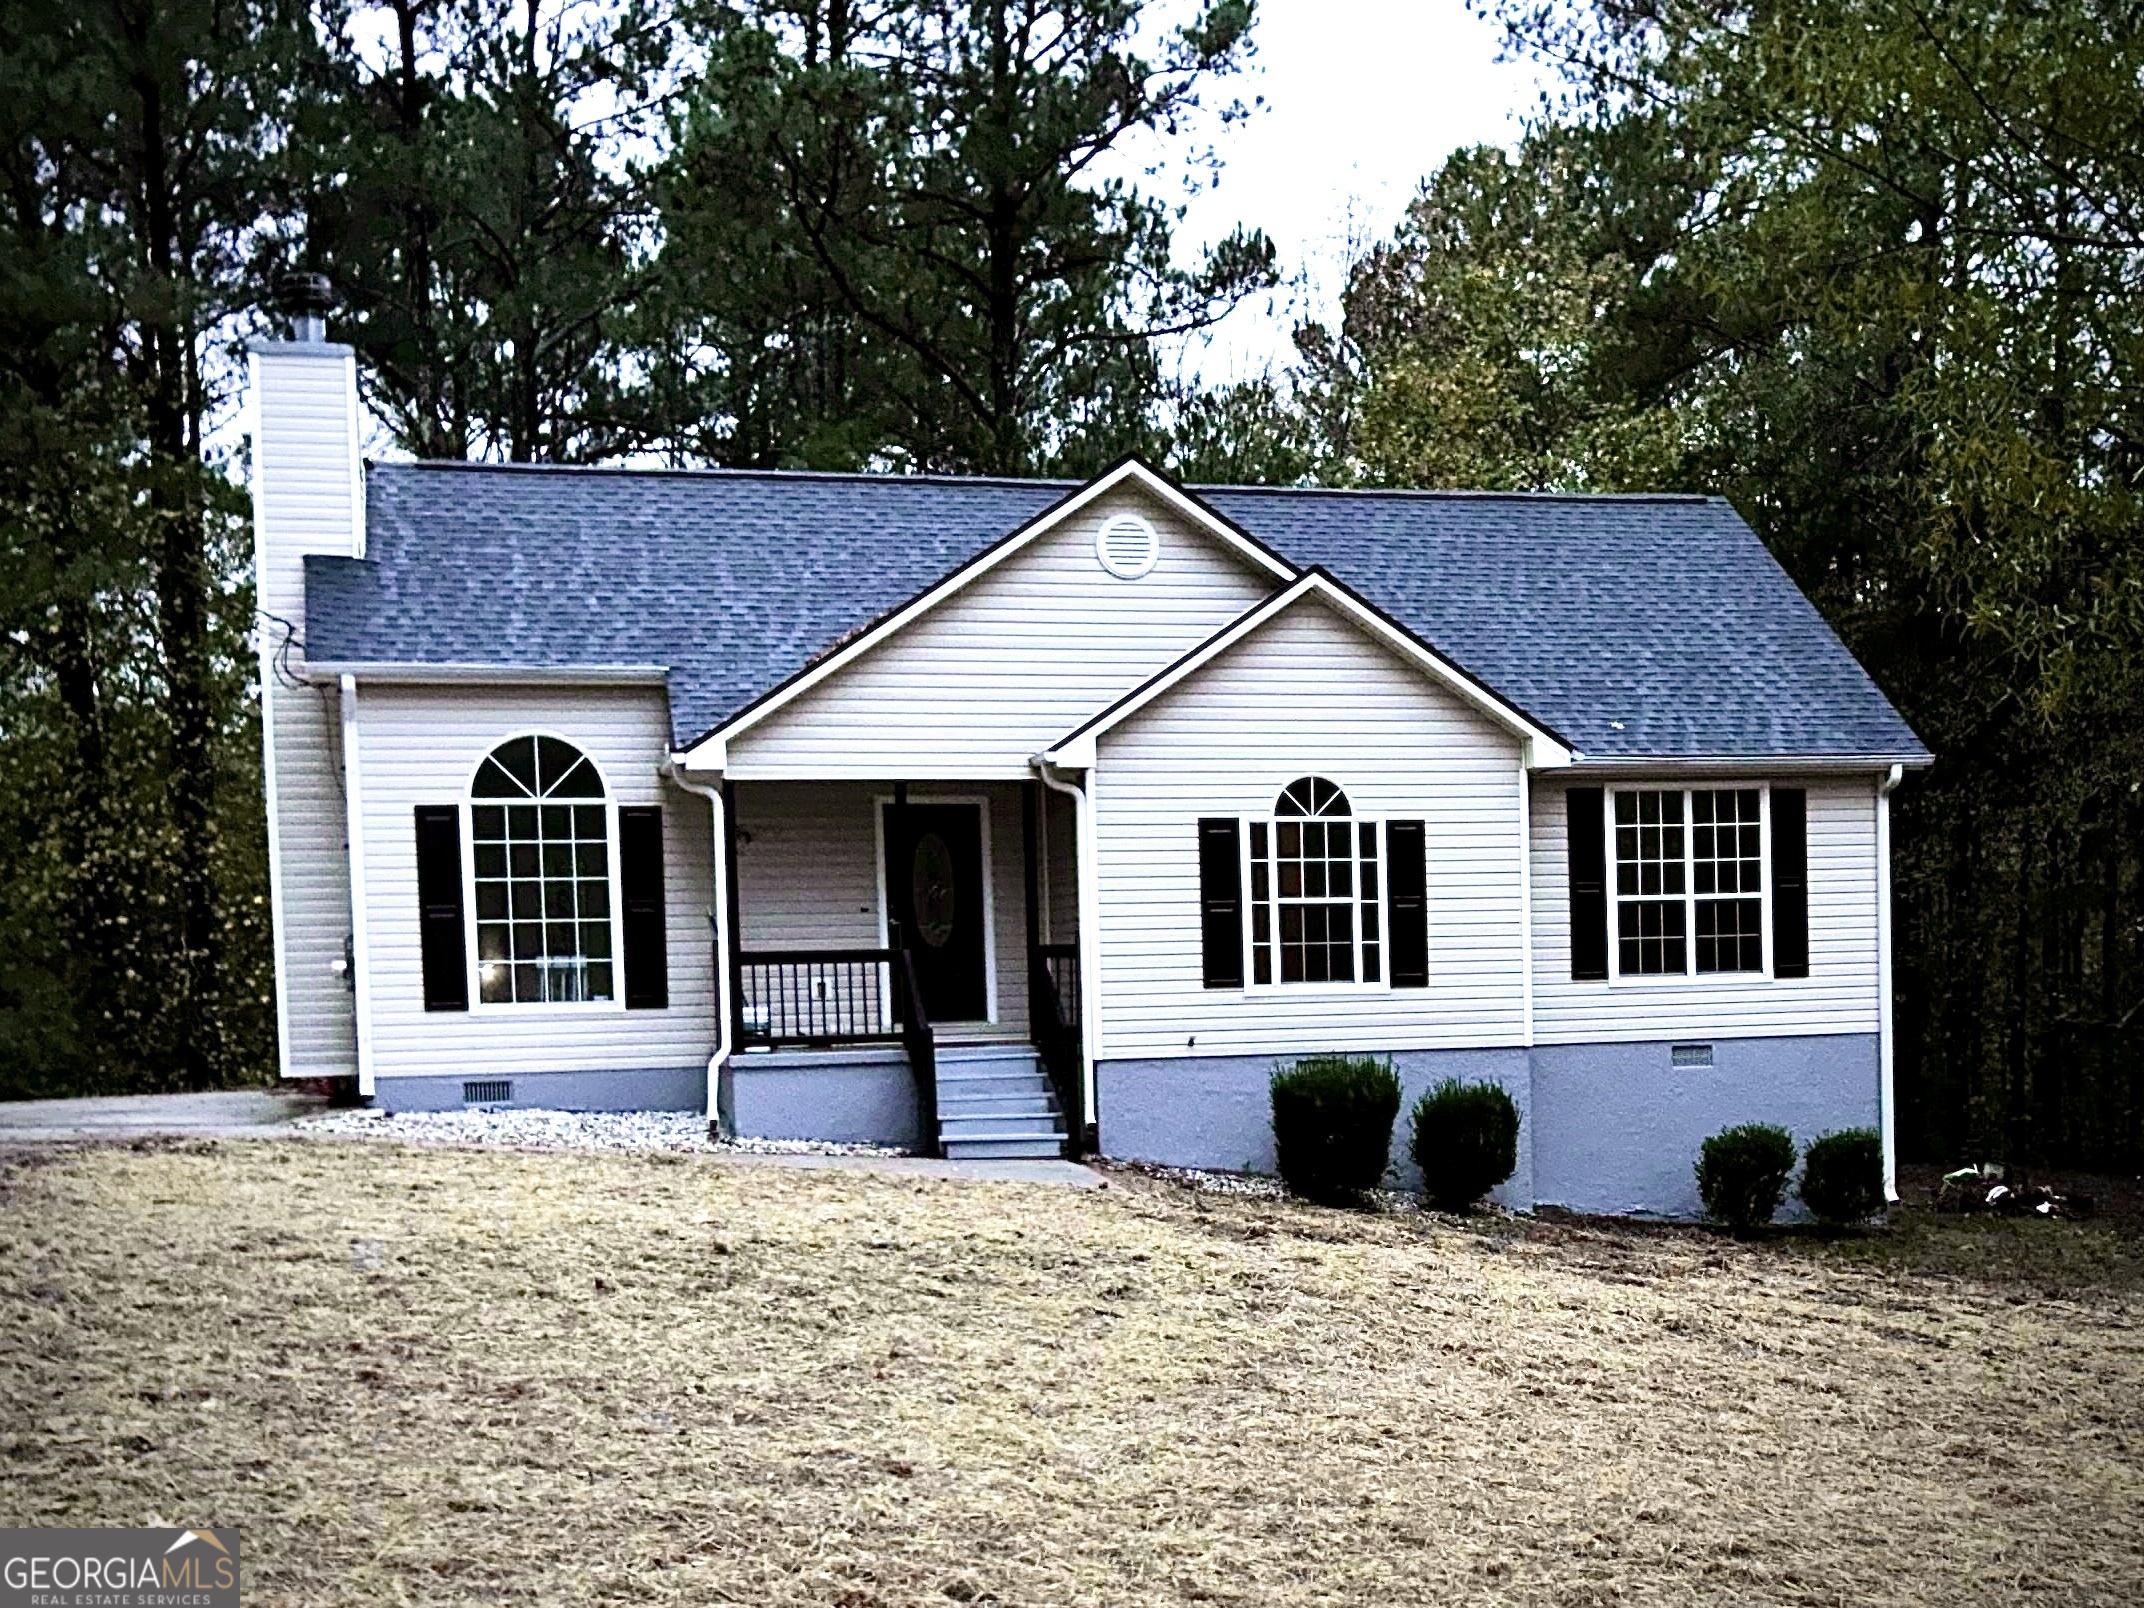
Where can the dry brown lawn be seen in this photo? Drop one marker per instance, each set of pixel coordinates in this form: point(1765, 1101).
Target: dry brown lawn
point(443, 1376)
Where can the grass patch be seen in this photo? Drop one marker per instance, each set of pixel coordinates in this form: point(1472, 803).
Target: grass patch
point(448, 1375)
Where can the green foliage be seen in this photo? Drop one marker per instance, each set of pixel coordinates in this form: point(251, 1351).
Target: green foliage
point(1332, 1125)
point(141, 175)
point(1742, 1172)
point(1466, 1141)
point(921, 226)
point(1842, 1176)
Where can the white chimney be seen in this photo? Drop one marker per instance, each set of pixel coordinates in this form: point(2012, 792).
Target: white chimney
point(308, 497)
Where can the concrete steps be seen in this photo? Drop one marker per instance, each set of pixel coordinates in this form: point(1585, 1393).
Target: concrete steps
point(995, 1103)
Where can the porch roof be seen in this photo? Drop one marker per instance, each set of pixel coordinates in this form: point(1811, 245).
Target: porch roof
point(1638, 627)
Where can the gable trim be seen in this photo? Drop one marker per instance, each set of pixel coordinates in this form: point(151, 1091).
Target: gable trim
point(1545, 748)
point(709, 751)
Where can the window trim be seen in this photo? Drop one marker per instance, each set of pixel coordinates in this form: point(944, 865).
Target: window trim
point(1270, 821)
point(480, 1006)
point(1689, 975)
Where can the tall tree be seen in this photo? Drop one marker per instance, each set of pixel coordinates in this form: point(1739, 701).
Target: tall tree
point(934, 169)
point(479, 195)
point(140, 172)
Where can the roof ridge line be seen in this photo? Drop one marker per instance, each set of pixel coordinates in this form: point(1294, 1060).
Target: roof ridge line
point(712, 472)
point(1428, 493)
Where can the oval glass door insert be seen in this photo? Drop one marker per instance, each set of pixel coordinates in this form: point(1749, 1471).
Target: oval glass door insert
point(930, 890)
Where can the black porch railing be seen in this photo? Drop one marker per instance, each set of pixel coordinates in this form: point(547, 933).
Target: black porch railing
point(817, 997)
point(1053, 1025)
point(824, 998)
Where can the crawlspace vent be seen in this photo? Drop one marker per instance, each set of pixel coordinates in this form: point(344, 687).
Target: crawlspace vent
point(488, 1091)
point(1690, 1055)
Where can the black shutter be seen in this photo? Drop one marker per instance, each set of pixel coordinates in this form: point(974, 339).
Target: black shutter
point(1589, 884)
point(640, 885)
point(1790, 882)
point(1221, 901)
point(1407, 903)
point(439, 907)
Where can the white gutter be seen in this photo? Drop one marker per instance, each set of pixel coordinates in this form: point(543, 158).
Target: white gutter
point(725, 1007)
point(360, 938)
point(1886, 1041)
point(416, 674)
point(1090, 906)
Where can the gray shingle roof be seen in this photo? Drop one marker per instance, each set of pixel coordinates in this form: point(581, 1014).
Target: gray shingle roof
point(1634, 626)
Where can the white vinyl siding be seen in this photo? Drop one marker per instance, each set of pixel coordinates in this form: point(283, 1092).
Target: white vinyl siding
point(305, 501)
point(1840, 994)
point(1309, 694)
point(808, 872)
point(421, 745)
point(1003, 669)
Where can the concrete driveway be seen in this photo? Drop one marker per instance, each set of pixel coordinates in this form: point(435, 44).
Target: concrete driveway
point(224, 1114)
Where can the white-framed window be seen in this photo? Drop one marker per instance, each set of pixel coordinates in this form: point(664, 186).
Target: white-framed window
point(1315, 890)
point(1691, 895)
point(543, 868)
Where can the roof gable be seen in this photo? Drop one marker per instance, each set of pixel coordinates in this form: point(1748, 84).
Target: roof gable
point(1545, 750)
point(706, 751)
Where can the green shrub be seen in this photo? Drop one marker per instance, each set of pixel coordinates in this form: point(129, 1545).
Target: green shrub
point(1742, 1172)
point(1466, 1141)
point(1332, 1125)
point(1842, 1176)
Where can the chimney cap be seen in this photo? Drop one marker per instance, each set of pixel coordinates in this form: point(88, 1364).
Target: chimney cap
point(303, 294)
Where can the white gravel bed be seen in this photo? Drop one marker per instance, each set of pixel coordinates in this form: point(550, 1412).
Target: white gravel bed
point(672, 1132)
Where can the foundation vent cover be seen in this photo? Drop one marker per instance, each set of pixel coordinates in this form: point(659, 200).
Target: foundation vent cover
point(489, 1091)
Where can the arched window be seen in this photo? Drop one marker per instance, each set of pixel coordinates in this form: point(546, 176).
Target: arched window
point(540, 836)
point(1314, 889)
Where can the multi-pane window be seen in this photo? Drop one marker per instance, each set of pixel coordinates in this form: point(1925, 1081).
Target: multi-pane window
point(539, 833)
point(1314, 890)
point(1689, 863)
point(1726, 862)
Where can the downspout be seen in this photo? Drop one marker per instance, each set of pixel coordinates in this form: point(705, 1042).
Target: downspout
point(1090, 949)
point(353, 798)
point(725, 1011)
point(1886, 1045)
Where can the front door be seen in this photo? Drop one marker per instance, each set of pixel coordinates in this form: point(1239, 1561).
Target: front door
point(934, 904)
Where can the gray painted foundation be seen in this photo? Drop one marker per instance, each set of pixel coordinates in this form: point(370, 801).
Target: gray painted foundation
point(1217, 1111)
point(1611, 1128)
point(1619, 1125)
point(851, 1097)
point(682, 1088)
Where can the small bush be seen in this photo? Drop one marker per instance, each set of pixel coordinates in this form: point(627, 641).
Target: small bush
point(1332, 1125)
point(1466, 1141)
point(1842, 1176)
point(1742, 1172)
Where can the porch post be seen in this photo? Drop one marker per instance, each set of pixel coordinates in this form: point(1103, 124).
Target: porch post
point(733, 961)
point(895, 937)
point(1030, 849)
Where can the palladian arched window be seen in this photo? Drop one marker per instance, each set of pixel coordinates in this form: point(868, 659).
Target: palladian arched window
point(540, 839)
point(1314, 890)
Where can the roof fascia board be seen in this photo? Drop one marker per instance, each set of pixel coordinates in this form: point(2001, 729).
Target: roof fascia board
point(1544, 750)
point(419, 674)
point(1127, 470)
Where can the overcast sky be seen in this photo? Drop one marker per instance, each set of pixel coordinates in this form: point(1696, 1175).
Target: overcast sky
point(1362, 98)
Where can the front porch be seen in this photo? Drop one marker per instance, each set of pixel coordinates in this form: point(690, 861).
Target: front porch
point(905, 968)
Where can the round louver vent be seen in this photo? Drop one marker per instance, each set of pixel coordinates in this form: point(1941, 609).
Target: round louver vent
point(1127, 546)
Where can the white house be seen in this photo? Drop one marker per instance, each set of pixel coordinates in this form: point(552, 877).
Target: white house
point(1014, 816)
